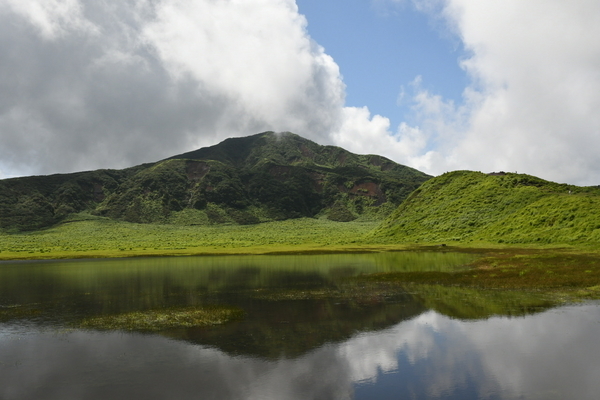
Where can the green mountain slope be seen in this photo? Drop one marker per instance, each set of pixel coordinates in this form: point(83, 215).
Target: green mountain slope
point(38, 201)
point(500, 208)
point(245, 180)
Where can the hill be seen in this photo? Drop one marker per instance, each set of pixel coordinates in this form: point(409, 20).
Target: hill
point(246, 180)
point(469, 206)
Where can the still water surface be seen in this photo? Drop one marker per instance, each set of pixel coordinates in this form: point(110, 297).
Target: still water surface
point(384, 347)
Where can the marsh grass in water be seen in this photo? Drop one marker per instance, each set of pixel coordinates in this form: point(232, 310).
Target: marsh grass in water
point(562, 276)
point(453, 301)
point(17, 311)
point(158, 320)
point(471, 303)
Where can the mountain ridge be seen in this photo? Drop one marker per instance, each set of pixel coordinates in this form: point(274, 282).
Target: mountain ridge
point(267, 176)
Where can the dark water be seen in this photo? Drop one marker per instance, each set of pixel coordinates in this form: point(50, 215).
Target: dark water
point(438, 344)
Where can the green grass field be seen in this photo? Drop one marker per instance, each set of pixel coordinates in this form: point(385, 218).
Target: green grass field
point(462, 208)
point(89, 236)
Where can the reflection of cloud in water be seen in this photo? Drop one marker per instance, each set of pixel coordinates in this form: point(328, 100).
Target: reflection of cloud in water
point(549, 355)
point(552, 355)
point(427, 353)
point(84, 365)
point(369, 353)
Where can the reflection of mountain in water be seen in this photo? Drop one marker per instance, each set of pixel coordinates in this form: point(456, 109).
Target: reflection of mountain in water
point(289, 328)
point(289, 314)
point(292, 304)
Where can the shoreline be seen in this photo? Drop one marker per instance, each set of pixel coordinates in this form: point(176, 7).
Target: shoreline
point(206, 252)
point(484, 249)
point(92, 239)
point(562, 274)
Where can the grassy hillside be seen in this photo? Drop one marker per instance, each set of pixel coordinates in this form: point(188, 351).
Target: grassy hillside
point(260, 178)
point(464, 206)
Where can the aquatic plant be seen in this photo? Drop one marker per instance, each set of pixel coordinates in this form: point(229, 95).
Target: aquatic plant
point(163, 319)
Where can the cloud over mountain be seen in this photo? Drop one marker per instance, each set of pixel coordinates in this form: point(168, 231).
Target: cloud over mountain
point(108, 84)
point(87, 84)
point(532, 105)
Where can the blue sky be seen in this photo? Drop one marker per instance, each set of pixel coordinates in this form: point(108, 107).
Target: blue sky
point(381, 48)
point(511, 85)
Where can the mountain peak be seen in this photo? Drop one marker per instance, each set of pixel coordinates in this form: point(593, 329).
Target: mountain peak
point(286, 148)
point(241, 180)
point(280, 147)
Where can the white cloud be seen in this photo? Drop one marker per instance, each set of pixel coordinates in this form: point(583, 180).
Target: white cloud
point(255, 54)
point(52, 18)
point(90, 84)
point(532, 105)
point(365, 134)
point(537, 65)
point(370, 354)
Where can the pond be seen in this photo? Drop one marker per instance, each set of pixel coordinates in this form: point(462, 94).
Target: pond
point(302, 328)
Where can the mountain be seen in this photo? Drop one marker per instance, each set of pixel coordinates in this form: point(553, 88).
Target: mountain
point(500, 207)
point(268, 176)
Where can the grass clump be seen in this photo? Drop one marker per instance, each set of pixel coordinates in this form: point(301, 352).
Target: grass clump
point(158, 320)
point(17, 311)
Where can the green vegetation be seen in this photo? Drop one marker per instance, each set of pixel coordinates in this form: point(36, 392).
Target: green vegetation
point(17, 311)
point(279, 193)
point(260, 178)
point(531, 245)
point(473, 303)
point(473, 208)
point(541, 276)
point(511, 282)
point(461, 302)
point(159, 320)
point(89, 236)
